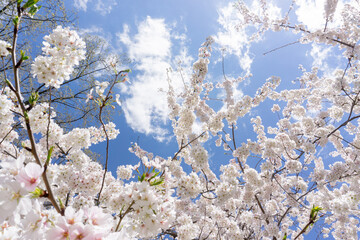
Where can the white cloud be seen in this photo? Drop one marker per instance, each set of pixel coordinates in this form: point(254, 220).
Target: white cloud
point(124, 37)
point(234, 37)
point(312, 13)
point(102, 6)
point(93, 30)
point(81, 4)
point(152, 41)
point(326, 58)
point(105, 7)
point(145, 107)
point(320, 55)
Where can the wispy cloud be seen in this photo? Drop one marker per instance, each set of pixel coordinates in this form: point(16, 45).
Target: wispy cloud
point(233, 35)
point(81, 4)
point(326, 58)
point(233, 40)
point(152, 50)
point(320, 55)
point(105, 7)
point(90, 30)
point(101, 6)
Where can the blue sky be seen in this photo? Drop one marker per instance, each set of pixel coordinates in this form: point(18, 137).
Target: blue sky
point(158, 34)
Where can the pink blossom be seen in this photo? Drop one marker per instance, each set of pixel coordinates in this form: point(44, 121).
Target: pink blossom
point(60, 231)
point(29, 176)
point(79, 231)
point(95, 216)
point(73, 217)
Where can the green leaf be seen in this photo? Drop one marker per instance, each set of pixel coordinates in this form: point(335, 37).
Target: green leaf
point(285, 237)
point(314, 212)
point(142, 177)
point(33, 98)
point(49, 155)
point(16, 20)
point(29, 3)
point(23, 57)
point(122, 208)
point(154, 175)
point(317, 209)
point(26, 116)
point(157, 182)
point(61, 204)
point(34, 9)
point(38, 192)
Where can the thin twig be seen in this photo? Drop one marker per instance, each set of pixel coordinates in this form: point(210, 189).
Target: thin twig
point(283, 46)
point(103, 104)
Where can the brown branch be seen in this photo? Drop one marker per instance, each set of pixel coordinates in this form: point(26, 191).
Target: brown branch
point(328, 38)
point(121, 216)
point(261, 208)
point(184, 146)
point(283, 216)
point(13, 127)
point(342, 125)
point(27, 120)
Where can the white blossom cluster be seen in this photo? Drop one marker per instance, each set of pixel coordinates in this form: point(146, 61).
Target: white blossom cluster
point(285, 151)
point(63, 50)
point(4, 48)
point(98, 135)
point(125, 172)
point(7, 121)
point(153, 210)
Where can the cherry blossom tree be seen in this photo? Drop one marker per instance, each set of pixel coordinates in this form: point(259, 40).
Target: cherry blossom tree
point(65, 100)
point(50, 189)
